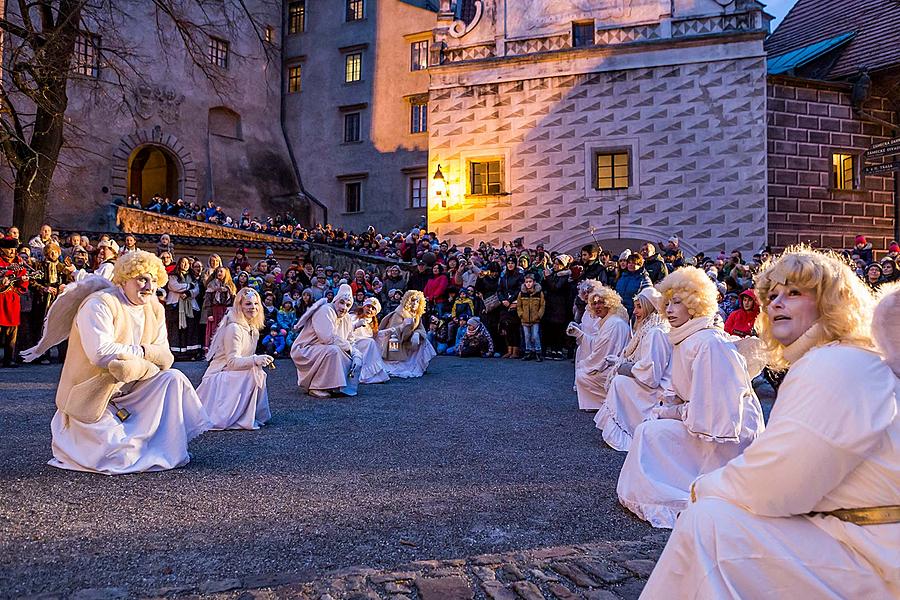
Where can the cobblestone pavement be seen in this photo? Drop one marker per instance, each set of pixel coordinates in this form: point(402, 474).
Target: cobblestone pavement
point(478, 457)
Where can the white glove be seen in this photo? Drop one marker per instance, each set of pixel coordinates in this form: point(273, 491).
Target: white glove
point(574, 330)
point(414, 338)
point(263, 360)
point(609, 361)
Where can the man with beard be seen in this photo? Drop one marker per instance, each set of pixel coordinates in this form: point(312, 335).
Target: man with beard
point(13, 283)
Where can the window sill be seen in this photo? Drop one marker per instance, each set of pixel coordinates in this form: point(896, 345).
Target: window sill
point(358, 212)
point(487, 196)
point(352, 83)
point(842, 191)
point(357, 142)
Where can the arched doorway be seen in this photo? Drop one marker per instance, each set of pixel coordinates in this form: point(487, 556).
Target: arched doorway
point(153, 170)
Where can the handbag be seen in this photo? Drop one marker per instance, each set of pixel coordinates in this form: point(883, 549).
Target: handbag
point(491, 303)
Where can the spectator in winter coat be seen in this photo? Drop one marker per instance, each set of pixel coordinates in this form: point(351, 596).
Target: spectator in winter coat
point(530, 306)
point(593, 268)
point(507, 291)
point(559, 294)
point(741, 321)
point(463, 307)
point(436, 288)
point(632, 280)
point(457, 335)
point(393, 279)
point(276, 341)
point(476, 341)
point(286, 317)
point(863, 248)
point(419, 277)
point(653, 263)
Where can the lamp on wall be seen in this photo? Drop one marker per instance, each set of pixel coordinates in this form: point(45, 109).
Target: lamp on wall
point(440, 186)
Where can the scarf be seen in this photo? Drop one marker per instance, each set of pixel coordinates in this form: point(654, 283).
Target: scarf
point(654, 320)
point(803, 344)
point(185, 305)
point(679, 334)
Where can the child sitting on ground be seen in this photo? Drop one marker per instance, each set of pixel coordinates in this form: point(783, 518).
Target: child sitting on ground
point(275, 343)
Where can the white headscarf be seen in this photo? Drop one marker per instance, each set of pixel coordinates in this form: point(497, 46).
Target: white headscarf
point(374, 303)
point(345, 291)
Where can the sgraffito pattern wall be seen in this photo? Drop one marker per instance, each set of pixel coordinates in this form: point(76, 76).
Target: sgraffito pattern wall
point(697, 133)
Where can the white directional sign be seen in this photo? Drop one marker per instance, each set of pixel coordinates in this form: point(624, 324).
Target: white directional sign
point(889, 148)
point(881, 169)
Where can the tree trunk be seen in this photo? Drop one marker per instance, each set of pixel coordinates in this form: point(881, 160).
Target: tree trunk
point(30, 197)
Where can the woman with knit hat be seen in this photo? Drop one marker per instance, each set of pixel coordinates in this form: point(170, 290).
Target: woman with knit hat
point(640, 376)
point(810, 509)
point(365, 338)
point(711, 416)
point(612, 334)
point(558, 298)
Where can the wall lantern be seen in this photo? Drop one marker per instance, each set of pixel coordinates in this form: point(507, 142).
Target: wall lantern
point(440, 186)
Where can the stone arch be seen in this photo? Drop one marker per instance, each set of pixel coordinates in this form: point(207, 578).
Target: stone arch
point(611, 232)
point(225, 122)
point(187, 170)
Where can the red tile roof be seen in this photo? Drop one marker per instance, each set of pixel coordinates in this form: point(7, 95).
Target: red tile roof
point(876, 23)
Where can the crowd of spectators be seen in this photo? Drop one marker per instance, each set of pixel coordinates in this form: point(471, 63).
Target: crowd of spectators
point(489, 301)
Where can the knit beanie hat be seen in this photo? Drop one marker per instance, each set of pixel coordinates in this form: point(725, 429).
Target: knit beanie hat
point(860, 239)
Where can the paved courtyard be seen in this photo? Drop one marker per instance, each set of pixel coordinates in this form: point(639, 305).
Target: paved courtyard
point(336, 497)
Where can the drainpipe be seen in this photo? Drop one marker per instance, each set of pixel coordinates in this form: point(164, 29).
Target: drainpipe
point(282, 118)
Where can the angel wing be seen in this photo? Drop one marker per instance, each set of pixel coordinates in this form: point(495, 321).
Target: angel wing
point(886, 325)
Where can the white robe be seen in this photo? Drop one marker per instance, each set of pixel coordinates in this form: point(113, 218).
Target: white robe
point(611, 336)
point(373, 369)
point(629, 400)
point(321, 352)
point(720, 417)
point(589, 327)
point(833, 441)
point(233, 390)
point(165, 411)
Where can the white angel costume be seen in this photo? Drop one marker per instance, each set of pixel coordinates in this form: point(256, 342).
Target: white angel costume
point(118, 360)
point(414, 351)
point(637, 383)
point(322, 350)
point(717, 418)
point(611, 336)
point(233, 390)
point(363, 338)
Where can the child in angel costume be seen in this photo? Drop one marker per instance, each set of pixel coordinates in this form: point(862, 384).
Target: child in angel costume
point(411, 351)
point(365, 338)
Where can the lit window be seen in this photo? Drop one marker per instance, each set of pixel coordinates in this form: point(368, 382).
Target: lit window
point(582, 34)
point(353, 196)
point(218, 52)
point(351, 127)
point(419, 117)
point(355, 10)
point(297, 17)
point(419, 56)
point(486, 177)
point(87, 55)
point(843, 169)
point(353, 67)
point(269, 33)
point(418, 192)
point(613, 171)
point(294, 79)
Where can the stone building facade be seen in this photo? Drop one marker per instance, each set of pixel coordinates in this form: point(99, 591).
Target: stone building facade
point(538, 98)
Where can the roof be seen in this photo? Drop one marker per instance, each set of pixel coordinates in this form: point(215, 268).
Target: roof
point(876, 24)
point(785, 63)
point(431, 5)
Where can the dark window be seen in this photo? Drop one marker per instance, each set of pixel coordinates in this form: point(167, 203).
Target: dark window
point(353, 196)
point(486, 177)
point(613, 170)
point(218, 52)
point(419, 56)
point(351, 127)
point(582, 34)
point(353, 67)
point(87, 55)
point(419, 117)
point(354, 10)
point(294, 79)
point(418, 192)
point(844, 171)
point(297, 16)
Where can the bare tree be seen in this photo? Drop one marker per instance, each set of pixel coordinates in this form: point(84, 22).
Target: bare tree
point(45, 41)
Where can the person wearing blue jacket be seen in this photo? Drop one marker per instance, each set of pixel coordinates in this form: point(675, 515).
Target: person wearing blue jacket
point(632, 280)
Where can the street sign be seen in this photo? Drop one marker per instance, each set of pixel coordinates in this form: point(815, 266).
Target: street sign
point(889, 148)
point(881, 169)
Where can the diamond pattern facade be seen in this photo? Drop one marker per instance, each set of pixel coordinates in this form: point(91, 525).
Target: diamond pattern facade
point(696, 133)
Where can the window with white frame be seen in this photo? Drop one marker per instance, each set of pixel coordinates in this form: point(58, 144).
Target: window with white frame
point(418, 117)
point(418, 60)
point(418, 192)
point(353, 67)
point(845, 171)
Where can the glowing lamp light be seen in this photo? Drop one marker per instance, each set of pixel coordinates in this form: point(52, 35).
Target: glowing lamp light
point(393, 343)
point(440, 186)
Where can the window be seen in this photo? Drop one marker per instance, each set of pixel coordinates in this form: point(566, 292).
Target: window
point(419, 56)
point(418, 192)
point(613, 171)
point(582, 34)
point(843, 169)
point(353, 196)
point(294, 79)
point(87, 55)
point(353, 67)
point(355, 10)
point(351, 127)
point(218, 52)
point(269, 34)
point(419, 117)
point(297, 17)
point(486, 177)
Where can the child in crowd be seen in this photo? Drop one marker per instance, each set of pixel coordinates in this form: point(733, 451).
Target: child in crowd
point(276, 342)
point(270, 311)
point(456, 332)
point(530, 307)
point(476, 341)
point(437, 334)
point(463, 306)
point(286, 317)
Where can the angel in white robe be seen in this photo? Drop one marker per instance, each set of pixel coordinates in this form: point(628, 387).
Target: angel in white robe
point(810, 509)
point(588, 323)
point(640, 376)
point(121, 408)
point(233, 390)
point(413, 351)
point(709, 418)
point(322, 351)
point(611, 335)
point(364, 337)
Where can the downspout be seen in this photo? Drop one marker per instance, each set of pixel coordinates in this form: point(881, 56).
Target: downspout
point(282, 118)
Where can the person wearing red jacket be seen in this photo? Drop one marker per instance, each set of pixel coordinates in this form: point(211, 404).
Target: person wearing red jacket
point(436, 289)
point(740, 322)
point(13, 283)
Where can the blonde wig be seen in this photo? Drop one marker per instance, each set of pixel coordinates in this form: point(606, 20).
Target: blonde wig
point(587, 286)
point(235, 315)
point(844, 302)
point(646, 305)
point(609, 298)
point(407, 297)
point(698, 292)
point(137, 263)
